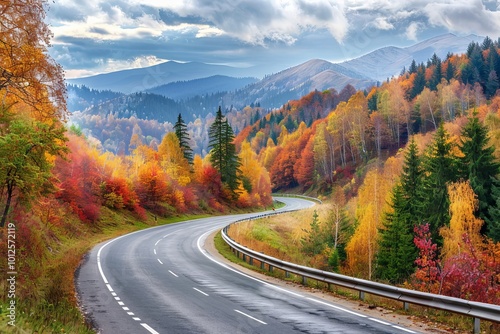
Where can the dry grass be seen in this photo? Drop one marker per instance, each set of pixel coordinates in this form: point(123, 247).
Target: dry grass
point(279, 236)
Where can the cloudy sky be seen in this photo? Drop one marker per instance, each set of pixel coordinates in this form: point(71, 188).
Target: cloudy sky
point(97, 36)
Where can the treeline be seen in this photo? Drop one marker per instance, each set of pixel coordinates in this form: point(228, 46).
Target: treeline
point(82, 97)
point(160, 178)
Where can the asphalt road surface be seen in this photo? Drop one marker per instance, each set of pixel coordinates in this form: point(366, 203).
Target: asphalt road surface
point(163, 280)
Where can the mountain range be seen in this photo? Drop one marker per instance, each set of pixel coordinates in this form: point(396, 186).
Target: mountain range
point(177, 80)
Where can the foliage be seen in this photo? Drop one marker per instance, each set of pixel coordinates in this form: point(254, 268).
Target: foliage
point(428, 275)
point(27, 148)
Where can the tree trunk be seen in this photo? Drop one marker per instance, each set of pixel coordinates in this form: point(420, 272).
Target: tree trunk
point(10, 188)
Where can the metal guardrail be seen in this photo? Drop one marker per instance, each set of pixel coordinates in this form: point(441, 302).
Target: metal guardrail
point(314, 199)
point(476, 310)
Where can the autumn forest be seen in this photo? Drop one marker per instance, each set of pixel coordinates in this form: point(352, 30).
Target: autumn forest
point(412, 166)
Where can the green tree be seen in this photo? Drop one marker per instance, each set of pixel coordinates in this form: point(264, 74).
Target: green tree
point(314, 242)
point(418, 83)
point(223, 151)
point(26, 147)
point(180, 129)
point(397, 252)
point(480, 167)
point(440, 167)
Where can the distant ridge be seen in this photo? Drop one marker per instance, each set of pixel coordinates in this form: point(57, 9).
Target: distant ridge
point(142, 79)
point(213, 84)
point(388, 61)
point(295, 82)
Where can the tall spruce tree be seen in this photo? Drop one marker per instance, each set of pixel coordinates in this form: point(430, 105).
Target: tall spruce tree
point(397, 252)
point(480, 167)
point(223, 151)
point(180, 129)
point(440, 167)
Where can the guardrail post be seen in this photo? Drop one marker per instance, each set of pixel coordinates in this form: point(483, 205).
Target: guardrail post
point(287, 274)
point(262, 263)
point(406, 306)
point(304, 280)
point(250, 260)
point(362, 295)
point(477, 325)
point(244, 257)
point(270, 268)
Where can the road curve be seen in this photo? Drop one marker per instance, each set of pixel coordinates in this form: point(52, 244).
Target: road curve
point(162, 280)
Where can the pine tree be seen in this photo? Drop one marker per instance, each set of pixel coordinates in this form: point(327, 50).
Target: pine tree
point(418, 83)
point(437, 74)
point(450, 71)
point(440, 168)
point(479, 166)
point(223, 151)
point(180, 129)
point(397, 252)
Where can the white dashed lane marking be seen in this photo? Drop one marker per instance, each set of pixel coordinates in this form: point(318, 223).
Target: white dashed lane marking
point(203, 293)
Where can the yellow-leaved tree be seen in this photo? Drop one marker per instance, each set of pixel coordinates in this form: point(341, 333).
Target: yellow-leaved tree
point(172, 159)
point(463, 204)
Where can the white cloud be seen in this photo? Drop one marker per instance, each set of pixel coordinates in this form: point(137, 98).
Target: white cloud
point(464, 16)
point(412, 31)
point(382, 24)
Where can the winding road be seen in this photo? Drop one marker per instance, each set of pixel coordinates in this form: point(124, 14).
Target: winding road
point(163, 280)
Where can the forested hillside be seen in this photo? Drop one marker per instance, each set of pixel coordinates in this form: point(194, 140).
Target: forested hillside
point(60, 192)
point(414, 165)
point(411, 168)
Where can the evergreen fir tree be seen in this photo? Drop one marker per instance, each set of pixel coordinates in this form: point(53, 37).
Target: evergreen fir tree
point(437, 74)
point(223, 151)
point(440, 168)
point(413, 67)
point(419, 82)
point(480, 167)
point(450, 71)
point(180, 129)
point(397, 252)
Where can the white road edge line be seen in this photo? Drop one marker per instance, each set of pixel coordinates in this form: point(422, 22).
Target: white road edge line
point(239, 272)
point(160, 261)
point(336, 307)
point(203, 293)
point(99, 266)
point(380, 321)
point(170, 271)
point(246, 315)
point(404, 329)
point(151, 330)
